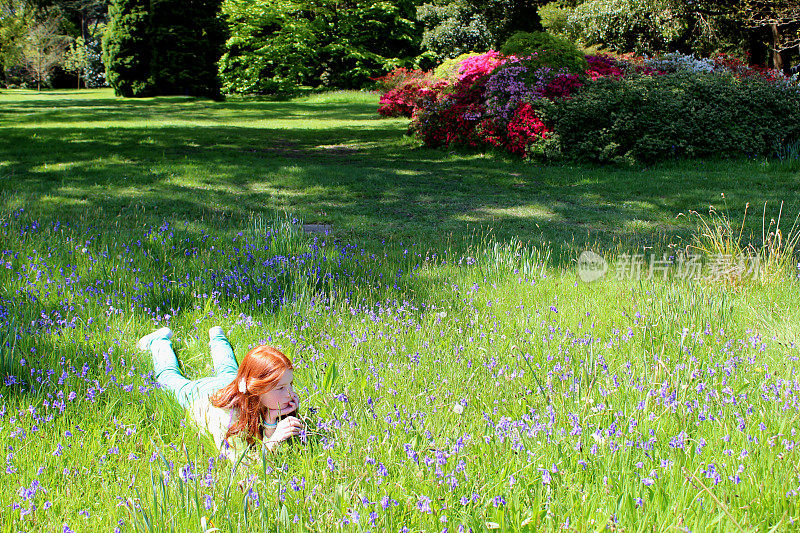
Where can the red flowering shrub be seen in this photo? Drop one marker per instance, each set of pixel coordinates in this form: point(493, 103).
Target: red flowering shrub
point(403, 99)
point(601, 66)
point(562, 86)
point(741, 69)
point(453, 118)
point(462, 117)
point(524, 129)
point(398, 77)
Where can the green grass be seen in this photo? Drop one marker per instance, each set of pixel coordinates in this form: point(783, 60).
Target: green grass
point(121, 216)
point(330, 159)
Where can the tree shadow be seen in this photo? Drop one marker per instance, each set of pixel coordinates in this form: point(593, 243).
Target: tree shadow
point(337, 163)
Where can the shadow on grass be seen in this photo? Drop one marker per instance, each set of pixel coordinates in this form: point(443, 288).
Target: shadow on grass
point(337, 163)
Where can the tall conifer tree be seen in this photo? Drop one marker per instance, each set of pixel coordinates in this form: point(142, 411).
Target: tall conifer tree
point(164, 47)
point(126, 48)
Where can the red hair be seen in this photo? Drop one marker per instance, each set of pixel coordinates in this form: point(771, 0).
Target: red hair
point(261, 369)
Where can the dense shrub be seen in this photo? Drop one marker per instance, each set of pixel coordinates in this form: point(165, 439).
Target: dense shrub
point(453, 120)
point(275, 46)
point(453, 28)
point(489, 106)
point(619, 109)
point(524, 130)
point(545, 50)
point(405, 90)
point(448, 69)
point(515, 83)
point(126, 50)
point(647, 118)
point(164, 47)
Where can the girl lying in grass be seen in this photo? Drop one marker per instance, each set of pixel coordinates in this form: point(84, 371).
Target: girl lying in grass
point(239, 405)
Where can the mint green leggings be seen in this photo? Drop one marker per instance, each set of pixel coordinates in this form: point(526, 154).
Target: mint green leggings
point(168, 373)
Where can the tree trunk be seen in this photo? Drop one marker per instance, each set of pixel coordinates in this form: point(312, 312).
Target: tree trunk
point(780, 58)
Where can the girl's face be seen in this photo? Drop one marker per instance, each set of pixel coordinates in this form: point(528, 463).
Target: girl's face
point(281, 396)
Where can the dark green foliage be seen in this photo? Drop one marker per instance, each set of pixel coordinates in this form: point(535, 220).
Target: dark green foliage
point(163, 47)
point(367, 39)
point(649, 118)
point(186, 42)
point(549, 50)
point(270, 49)
point(126, 49)
point(453, 29)
point(506, 17)
point(274, 46)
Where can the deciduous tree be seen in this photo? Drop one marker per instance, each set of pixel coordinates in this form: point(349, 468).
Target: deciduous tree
point(44, 49)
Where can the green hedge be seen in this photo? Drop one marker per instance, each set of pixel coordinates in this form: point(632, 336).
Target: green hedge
point(649, 118)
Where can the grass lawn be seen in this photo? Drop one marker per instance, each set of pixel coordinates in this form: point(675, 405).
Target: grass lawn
point(330, 159)
point(454, 370)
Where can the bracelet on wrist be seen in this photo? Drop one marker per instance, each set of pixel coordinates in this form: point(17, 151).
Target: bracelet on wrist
point(273, 425)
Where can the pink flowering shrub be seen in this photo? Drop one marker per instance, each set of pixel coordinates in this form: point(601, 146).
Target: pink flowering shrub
point(474, 67)
point(405, 89)
point(468, 117)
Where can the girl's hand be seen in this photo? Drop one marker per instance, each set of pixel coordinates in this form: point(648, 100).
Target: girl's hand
point(294, 403)
point(273, 414)
point(287, 428)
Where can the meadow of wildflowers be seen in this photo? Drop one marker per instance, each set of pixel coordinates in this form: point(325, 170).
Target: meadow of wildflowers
point(442, 392)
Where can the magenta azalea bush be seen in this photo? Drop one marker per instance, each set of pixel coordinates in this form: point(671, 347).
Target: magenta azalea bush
point(488, 105)
point(480, 65)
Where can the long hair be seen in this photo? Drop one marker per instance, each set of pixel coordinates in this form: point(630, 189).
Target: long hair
point(261, 369)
